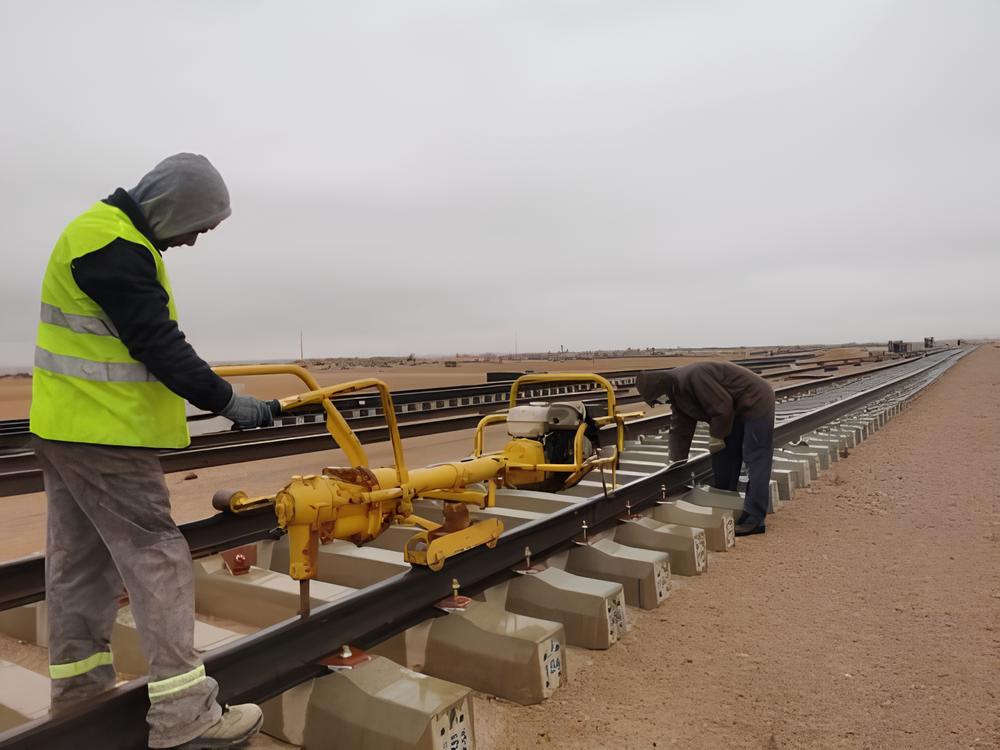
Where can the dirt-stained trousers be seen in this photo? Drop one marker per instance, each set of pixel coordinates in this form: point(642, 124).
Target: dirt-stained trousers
point(109, 530)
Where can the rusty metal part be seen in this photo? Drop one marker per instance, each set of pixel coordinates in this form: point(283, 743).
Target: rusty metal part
point(347, 657)
point(361, 476)
point(456, 602)
point(456, 517)
point(304, 602)
point(238, 561)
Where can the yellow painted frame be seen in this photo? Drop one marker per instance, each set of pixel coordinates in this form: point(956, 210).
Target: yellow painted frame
point(337, 426)
point(580, 467)
point(422, 548)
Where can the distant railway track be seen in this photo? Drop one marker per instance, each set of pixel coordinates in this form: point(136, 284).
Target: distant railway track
point(20, 474)
point(14, 433)
point(23, 582)
point(419, 412)
point(280, 657)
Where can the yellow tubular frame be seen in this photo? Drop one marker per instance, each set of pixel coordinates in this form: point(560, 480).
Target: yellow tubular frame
point(435, 551)
point(322, 395)
point(339, 430)
point(575, 377)
point(576, 470)
point(478, 442)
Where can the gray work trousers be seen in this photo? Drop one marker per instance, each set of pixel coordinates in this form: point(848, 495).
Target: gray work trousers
point(109, 530)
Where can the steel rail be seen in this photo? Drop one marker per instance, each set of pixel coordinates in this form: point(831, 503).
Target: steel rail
point(498, 390)
point(19, 472)
point(445, 398)
point(24, 459)
point(278, 658)
point(358, 408)
point(22, 581)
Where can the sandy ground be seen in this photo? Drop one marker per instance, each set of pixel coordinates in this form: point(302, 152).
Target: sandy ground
point(15, 397)
point(867, 617)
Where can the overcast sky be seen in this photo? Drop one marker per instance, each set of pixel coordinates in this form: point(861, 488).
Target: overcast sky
point(434, 177)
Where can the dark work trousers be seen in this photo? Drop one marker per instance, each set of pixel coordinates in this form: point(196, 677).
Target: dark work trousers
point(109, 527)
point(751, 441)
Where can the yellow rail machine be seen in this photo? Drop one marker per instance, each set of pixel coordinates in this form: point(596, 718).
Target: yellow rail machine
point(555, 445)
point(358, 503)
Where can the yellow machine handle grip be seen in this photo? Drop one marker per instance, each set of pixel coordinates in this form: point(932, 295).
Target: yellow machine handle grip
point(323, 395)
point(339, 430)
point(235, 371)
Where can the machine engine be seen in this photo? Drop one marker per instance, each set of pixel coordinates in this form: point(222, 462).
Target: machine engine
point(554, 427)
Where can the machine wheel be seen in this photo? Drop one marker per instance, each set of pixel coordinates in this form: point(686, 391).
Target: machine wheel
point(222, 499)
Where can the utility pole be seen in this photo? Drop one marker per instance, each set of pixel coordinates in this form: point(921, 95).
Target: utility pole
point(302, 351)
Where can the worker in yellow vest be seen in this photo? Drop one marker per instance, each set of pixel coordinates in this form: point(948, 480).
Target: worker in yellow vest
point(112, 373)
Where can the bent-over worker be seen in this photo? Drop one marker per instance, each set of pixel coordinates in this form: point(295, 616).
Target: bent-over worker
point(738, 406)
point(112, 372)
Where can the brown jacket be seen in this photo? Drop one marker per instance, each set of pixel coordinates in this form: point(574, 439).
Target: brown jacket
point(713, 392)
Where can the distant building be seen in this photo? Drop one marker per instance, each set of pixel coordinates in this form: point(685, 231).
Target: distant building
point(907, 347)
point(900, 347)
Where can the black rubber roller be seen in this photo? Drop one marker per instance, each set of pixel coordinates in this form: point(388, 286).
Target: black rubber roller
point(222, 500)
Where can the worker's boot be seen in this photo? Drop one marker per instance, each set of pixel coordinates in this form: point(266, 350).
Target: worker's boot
point(237, 725)
point(751, 528)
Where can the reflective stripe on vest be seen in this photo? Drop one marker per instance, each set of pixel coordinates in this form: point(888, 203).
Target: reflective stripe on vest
point(77, 668)
point(77, 323)
point(101, 372)
point(164, 688)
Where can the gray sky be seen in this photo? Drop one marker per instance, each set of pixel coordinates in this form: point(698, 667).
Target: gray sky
point(433, 176)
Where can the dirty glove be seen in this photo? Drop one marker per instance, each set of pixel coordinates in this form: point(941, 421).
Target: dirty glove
point(246, 411)
point(715, 444)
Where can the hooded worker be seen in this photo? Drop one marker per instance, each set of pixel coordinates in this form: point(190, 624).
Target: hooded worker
point(738, 406)
point(112, 374)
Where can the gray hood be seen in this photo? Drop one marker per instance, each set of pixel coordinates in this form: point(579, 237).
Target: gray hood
point(183, 193)
point(652, 384)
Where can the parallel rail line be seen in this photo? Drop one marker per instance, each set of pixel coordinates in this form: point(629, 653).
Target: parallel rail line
point(280, 657)
point(20, 474)
point(22, 581)
point(13, 432)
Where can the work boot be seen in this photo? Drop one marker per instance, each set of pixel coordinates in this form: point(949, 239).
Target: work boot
point(237, 725)
point(748, 529)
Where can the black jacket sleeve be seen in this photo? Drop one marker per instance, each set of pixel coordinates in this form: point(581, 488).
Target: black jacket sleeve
point(121, 278)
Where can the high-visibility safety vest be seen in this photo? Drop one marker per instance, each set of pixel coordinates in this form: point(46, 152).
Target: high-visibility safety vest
point(86, 388)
